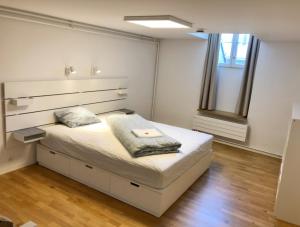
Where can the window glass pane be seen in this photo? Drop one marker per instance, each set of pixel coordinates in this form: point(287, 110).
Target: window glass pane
point(225, 48)
point(226, 37)
point(242, 47)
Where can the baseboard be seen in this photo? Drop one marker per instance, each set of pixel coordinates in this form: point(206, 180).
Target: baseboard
point(247, 148)
point(16, 166)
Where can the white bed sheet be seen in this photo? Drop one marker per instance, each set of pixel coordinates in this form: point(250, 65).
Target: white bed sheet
point(97, 145)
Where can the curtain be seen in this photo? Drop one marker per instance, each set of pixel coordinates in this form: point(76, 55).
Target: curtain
point(243, 102)
point(209, 79)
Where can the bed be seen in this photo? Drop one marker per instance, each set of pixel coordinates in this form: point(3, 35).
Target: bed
point(92, 154)
point(97, 145)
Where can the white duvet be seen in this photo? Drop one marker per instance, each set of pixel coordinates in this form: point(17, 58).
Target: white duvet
point(97, 145)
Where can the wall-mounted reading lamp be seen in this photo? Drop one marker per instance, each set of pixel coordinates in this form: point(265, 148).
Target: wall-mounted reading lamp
point(70, 70)
point(95, 71)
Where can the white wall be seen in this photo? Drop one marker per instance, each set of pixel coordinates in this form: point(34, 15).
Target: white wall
point(38, 52)
point(276, 87)
point(179, 81)
point(229, 83)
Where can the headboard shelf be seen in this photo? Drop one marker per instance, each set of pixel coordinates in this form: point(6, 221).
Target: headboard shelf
point(43, 103)
point(56, 87)
point(97, 95)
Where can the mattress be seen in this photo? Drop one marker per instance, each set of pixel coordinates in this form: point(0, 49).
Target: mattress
point(96, 145)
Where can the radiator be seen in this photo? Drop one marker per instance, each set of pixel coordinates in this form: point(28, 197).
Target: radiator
point(226, 129)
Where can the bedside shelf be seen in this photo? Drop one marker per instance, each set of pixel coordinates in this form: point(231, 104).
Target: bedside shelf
point(29, 135)
point(126, 111)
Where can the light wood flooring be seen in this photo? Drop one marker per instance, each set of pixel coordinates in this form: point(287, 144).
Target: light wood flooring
point(238, 190)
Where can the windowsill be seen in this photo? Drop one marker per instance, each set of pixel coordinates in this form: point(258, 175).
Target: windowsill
point(231, 66)
point(222, 115)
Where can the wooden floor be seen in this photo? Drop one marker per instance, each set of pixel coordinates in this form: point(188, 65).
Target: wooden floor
point(238, 190)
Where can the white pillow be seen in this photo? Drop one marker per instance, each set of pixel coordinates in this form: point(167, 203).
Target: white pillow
point(76, 116)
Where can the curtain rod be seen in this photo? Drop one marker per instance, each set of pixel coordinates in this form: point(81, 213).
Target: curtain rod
point(24, 15)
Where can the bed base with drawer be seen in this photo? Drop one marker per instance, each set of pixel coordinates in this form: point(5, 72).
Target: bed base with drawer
point(150, 200)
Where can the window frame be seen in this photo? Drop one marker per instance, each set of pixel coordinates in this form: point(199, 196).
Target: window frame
point(233, 53)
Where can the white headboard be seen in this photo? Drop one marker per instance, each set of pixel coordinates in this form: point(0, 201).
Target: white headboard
point(45, 97)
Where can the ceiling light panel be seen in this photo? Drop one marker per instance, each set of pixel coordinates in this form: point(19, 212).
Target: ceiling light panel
point(158, 21)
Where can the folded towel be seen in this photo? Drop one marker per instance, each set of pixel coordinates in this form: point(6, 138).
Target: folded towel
point(123, 125)
point(146, 133)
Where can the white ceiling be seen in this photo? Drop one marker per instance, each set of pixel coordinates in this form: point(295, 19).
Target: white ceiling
point(268, 19)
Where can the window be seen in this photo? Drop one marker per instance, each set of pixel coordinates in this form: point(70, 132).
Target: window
point(233, 50)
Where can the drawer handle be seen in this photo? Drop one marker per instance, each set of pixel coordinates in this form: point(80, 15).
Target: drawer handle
point(52, 152)
point(88, 166)
point(134, 184)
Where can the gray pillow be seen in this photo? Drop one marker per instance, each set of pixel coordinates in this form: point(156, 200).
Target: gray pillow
point(76, 116)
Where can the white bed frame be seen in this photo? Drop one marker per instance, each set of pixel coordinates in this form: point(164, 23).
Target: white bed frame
point(151, 200)
point(99, 96)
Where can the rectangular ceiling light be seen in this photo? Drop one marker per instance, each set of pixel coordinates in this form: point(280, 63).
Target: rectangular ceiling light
point(165, 21)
